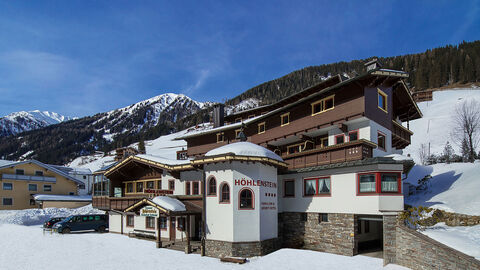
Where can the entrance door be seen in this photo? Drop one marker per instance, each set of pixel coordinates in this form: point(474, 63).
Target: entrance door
point(172, 228)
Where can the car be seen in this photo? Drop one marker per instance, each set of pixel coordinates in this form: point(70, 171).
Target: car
point(82, 223)
point(49, 223)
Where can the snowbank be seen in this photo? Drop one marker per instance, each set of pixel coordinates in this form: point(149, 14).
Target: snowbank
point(462, 238)
point(399, 157)
point(39, 216)
point(453, 187)
point(163, 160)
point(26, 247)
point(169, 203)
point(244, 149)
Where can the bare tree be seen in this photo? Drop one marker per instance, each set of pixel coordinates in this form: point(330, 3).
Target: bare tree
point(423, 154)
point(467, 125)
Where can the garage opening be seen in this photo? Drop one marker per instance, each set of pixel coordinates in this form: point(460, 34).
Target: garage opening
point(370, 235)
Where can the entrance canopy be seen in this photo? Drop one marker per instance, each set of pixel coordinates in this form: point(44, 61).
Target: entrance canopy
point(168, 205)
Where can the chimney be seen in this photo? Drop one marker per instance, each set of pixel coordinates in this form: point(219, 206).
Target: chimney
point(218, 115)
point(373, 64)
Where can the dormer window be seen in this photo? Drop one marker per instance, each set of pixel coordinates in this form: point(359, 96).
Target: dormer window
point(382, 100)
point(237, 120)
point(323, 105)
point(220, 137)
point(237, 132)
point(285, 119)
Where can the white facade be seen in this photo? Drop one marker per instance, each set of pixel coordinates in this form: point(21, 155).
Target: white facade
point(228, 221)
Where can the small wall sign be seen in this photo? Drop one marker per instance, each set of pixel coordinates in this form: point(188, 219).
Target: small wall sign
point(149, 211)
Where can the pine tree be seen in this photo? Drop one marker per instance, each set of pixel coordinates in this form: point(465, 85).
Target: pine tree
point(448, 152)
point(465, 150)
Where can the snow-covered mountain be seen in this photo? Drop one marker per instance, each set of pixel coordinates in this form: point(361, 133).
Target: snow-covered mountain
point(18, 122)
point(246, 104)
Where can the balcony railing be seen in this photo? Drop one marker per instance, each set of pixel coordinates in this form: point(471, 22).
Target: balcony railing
point(400, 136)
point(29, 177)
point(350, 151)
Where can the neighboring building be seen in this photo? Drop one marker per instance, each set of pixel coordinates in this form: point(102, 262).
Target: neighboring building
point(84, 175)
point(62, 201)
point(320, 170)
point(20, 181)
point(124, 152)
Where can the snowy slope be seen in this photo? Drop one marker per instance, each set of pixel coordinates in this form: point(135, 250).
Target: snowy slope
point(26, 247)
point(454, 187)
point(435, 127)
point(18, 122)
point(246, 104)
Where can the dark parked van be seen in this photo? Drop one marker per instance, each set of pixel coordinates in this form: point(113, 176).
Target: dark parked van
point(82, 223)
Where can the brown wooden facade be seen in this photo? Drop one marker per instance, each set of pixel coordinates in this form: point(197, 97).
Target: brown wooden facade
point(353, 99)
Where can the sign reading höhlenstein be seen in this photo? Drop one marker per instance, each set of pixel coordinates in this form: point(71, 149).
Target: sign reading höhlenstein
point(149, 211)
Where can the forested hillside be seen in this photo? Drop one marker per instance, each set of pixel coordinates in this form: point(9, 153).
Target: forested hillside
point(58, 144)
point(434, 68)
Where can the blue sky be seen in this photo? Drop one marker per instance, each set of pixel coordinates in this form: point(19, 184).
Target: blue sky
point(79, 58)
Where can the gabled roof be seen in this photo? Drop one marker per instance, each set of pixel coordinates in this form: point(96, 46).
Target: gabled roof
point(43, 165)
point(313, 94)
point(167, 205)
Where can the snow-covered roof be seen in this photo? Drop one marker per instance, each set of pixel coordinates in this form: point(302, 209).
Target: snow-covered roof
point(399, 157)
point(244, 149)
point(45, 197)
point(5, 162)
point(46, 166)
point(169, 203)
point(163, 160)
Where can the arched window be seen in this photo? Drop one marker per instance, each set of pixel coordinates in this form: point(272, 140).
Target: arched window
point(224, 193)
point(212, 187)
point(246, 199)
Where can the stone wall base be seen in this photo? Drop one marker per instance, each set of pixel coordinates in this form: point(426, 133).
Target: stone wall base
point(220, 249)
point(306, 230)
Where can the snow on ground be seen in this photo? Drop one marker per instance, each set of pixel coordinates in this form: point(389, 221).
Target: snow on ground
point(454, 187)
point(93, 162)
point(39, 216)
point(436, 124)
point(462, 238)
point(26, 247)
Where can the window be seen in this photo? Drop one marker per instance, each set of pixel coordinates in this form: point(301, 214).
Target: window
point(285, 119)
point(32, 187)
point(129, 187)
point(353, 136)
point(322, 217)
point(381, 141)
point(7, 186)
point(171, 184)
point(317, 186)
point(163, 223)
point(195, 188)
point(47, 187)
point(225, 193)
point(71, 193)
point(220, 137)
point(32, 202)
point(150, 223)
point(81, 186)
point(294, 149)
point(237, 120)
point(304, 217)
point(130, 220)
point(367, 182)
point(323, 142)
point(389, 182)
point(339, 139)
point(237, 132)
point(19, 171)
point(261, 128)
point(246, 199)
point(289, 188)
point(187, 188)
point(323, 105)
point(159, 184)
point(7, 201)
point(181, 223)
point(212, 187)
point(382, 100)
point(139, 187)
point(367, 226)
point(84, 177)
point(150, 185)
point(40, 173)
point(251, 116)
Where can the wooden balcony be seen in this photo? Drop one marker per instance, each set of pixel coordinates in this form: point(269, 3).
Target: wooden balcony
point(350, 151)
point(400, 136)
point(120, 203)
